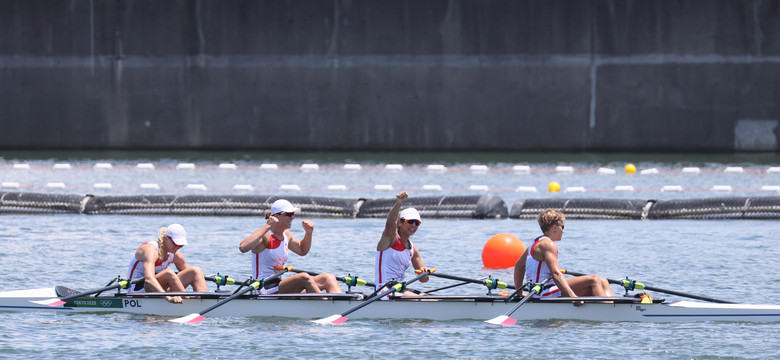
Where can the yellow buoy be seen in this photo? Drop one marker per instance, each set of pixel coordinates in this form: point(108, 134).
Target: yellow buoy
point(553, 187)
point(501, 251)
point(630, 169)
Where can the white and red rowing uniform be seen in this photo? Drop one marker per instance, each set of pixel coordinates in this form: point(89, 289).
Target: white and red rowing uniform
point(537, 271)
point(136, 269)
point(391, 263)
point(274, 254)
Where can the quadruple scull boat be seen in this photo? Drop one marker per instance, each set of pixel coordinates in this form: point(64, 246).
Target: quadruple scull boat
point(447, 307)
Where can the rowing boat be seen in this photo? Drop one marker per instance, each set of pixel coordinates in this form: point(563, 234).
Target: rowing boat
point(446, 307)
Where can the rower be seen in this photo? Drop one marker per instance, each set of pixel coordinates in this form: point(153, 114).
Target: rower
point(152, 259)
point(540, 261)
point(270, 245)
point(395, 250)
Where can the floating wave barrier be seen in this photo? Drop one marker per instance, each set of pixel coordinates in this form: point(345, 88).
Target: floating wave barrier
point(246, 205)
point(486, 206)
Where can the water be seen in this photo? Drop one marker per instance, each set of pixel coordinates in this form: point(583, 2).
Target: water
point(730, 260)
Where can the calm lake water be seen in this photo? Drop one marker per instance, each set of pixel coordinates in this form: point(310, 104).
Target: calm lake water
point(731, 260)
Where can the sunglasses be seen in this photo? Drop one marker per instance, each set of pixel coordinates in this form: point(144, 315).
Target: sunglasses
point(413, 222)
point(175, 244)
point(561, 226)
point(289, 214)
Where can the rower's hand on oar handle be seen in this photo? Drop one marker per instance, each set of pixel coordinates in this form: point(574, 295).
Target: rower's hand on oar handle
point(422, 270)
point(279, 267)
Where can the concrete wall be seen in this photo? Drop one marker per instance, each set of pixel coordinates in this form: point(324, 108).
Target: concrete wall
point(622, 75)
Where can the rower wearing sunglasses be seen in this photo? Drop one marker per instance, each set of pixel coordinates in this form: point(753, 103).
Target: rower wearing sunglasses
point(270, 246)
point(152, 259)
point(395, 250)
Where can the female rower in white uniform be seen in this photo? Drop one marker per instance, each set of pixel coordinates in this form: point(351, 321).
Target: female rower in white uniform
point(543, 263)
point(270, 245)
point(395, 250)
point(152, 259)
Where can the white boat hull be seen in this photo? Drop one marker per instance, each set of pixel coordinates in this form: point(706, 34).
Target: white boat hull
point(477, 308)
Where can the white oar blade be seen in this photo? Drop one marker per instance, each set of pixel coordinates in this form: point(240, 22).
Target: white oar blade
point(49, 302)
point(331, 320)
point(193, 318)
point(502, 320)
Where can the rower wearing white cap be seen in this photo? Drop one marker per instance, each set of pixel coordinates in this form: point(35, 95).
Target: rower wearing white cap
point(395, 250)
point(152, 259)
point(270, 246)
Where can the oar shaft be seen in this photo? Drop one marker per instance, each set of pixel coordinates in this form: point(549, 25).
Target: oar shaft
point(242, 292)
point(460, 278)
point(90, 292)
point(383, 294)
point(652, 288)
point(535, 290)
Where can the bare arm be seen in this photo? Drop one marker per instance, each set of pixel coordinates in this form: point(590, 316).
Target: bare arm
point(549, 252)
point(179, 261)
point(391, 224)
point(258, 240)
point(418, 263)
point(520, 269)
point(302, 247)
point(147, 255)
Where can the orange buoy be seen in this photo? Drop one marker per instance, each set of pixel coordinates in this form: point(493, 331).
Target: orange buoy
point(501, 251)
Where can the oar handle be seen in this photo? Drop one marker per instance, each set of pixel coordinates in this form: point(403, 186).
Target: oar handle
point(627, 283)
point(349, 279)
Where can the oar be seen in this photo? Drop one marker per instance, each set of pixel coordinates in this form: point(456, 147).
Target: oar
point(124, 284)
point(505, 319)
point(220, 279)
point(195, 318)
point(631, 285)
point(349, 279)
point(341, 318)
point(490, 282)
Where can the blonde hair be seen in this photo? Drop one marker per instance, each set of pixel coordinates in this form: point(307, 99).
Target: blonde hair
point(550, 217)
point(160, 239)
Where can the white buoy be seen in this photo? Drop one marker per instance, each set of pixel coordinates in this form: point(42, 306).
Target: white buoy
point(770, 188)
point(436, 168)
point(243, 187)
point(478, 169)
point(521, 169)
point(185, 166)
point(105, 166)
point(564, 169)
point(691, 170)
point(353, 167)
point(55, 185)
point(734, 170)
point(606, 171)
point(722, 188)
point(149, 186)
point(575, 189)
point(432, 187)
point(200, 187)
point(479, 188)
point(309, 167)
point(394, 167)
point(290, 187)
point(145, 166)
point(10, 185)
point(269, 167)
point(64, 166)
point(672, 188)
point(624, 188)
point(383, 187)
point(337, 187)
point(531, 189)
point(102, 186)
point(652, 171)
point(773, 169)
point(22, 166)
point(226, 166)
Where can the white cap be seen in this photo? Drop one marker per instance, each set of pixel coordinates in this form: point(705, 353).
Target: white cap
point(177, 234)
point(410, 214)
point(281, 205)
